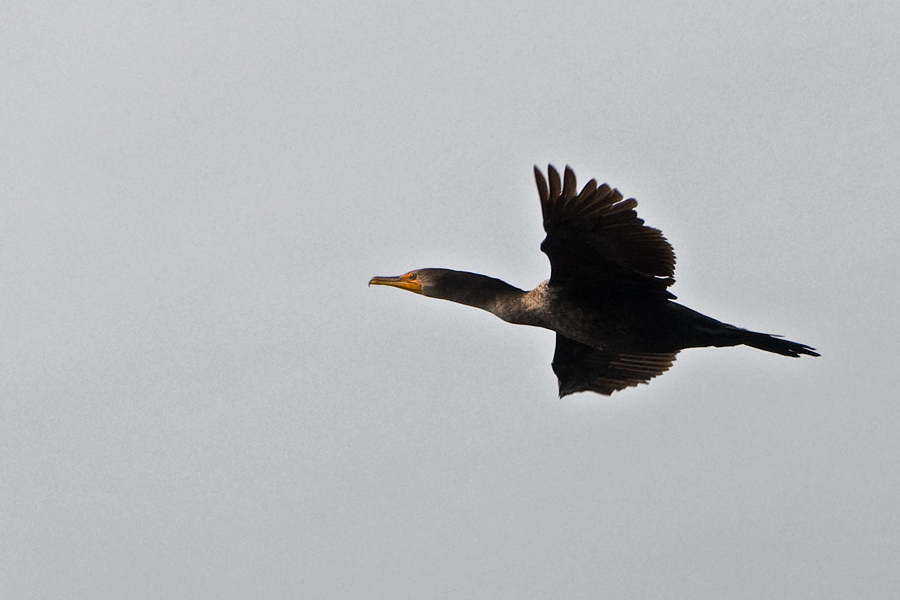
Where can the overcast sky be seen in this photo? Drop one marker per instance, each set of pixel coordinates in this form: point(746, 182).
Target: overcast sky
point(200, 397)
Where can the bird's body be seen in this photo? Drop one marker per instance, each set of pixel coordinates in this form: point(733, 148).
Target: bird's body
point(606, 299)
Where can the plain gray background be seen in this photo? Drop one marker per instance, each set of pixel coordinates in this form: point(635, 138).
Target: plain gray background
point(202, 399)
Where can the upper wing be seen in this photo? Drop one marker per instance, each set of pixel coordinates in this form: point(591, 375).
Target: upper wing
point(596, 242)
point(581, 368)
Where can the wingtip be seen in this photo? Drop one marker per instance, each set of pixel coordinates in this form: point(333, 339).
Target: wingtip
point(541, 185)
point(555, 184)
point(570, 183)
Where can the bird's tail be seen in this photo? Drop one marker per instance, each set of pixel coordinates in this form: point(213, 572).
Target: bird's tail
point(706, 331)
point(769, 343)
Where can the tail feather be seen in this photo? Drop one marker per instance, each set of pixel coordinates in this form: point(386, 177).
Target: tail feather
point(772, 343)
point(706, 331)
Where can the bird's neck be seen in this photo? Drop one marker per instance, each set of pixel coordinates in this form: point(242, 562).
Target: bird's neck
point(503, 300)
point(480, 291)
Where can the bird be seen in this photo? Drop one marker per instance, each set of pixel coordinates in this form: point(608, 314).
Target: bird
point(607, 298)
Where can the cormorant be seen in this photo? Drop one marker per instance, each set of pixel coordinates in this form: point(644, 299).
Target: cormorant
point(607, 298)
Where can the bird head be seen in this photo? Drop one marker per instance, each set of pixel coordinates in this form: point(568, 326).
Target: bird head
point(408, 281)
point(456, 286)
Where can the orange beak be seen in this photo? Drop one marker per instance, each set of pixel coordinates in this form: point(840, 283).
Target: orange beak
point(409, 281)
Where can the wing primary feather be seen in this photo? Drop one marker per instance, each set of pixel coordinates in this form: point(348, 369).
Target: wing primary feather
point(542, 192)
point(555, 187)
point(607, 196)
point(541, 185)
point(570, 187)
point(589, 188)
point(629, 204)
point(582, 203)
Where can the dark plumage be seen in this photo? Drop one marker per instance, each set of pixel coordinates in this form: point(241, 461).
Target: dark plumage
point(607, 298)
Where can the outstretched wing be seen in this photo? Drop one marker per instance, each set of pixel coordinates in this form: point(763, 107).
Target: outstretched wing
point(597, 243)
point(581, 368)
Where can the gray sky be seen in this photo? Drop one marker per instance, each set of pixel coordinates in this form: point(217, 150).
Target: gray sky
point(200, 397)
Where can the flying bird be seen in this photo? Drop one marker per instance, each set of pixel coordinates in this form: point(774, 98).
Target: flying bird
point(607, 298)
